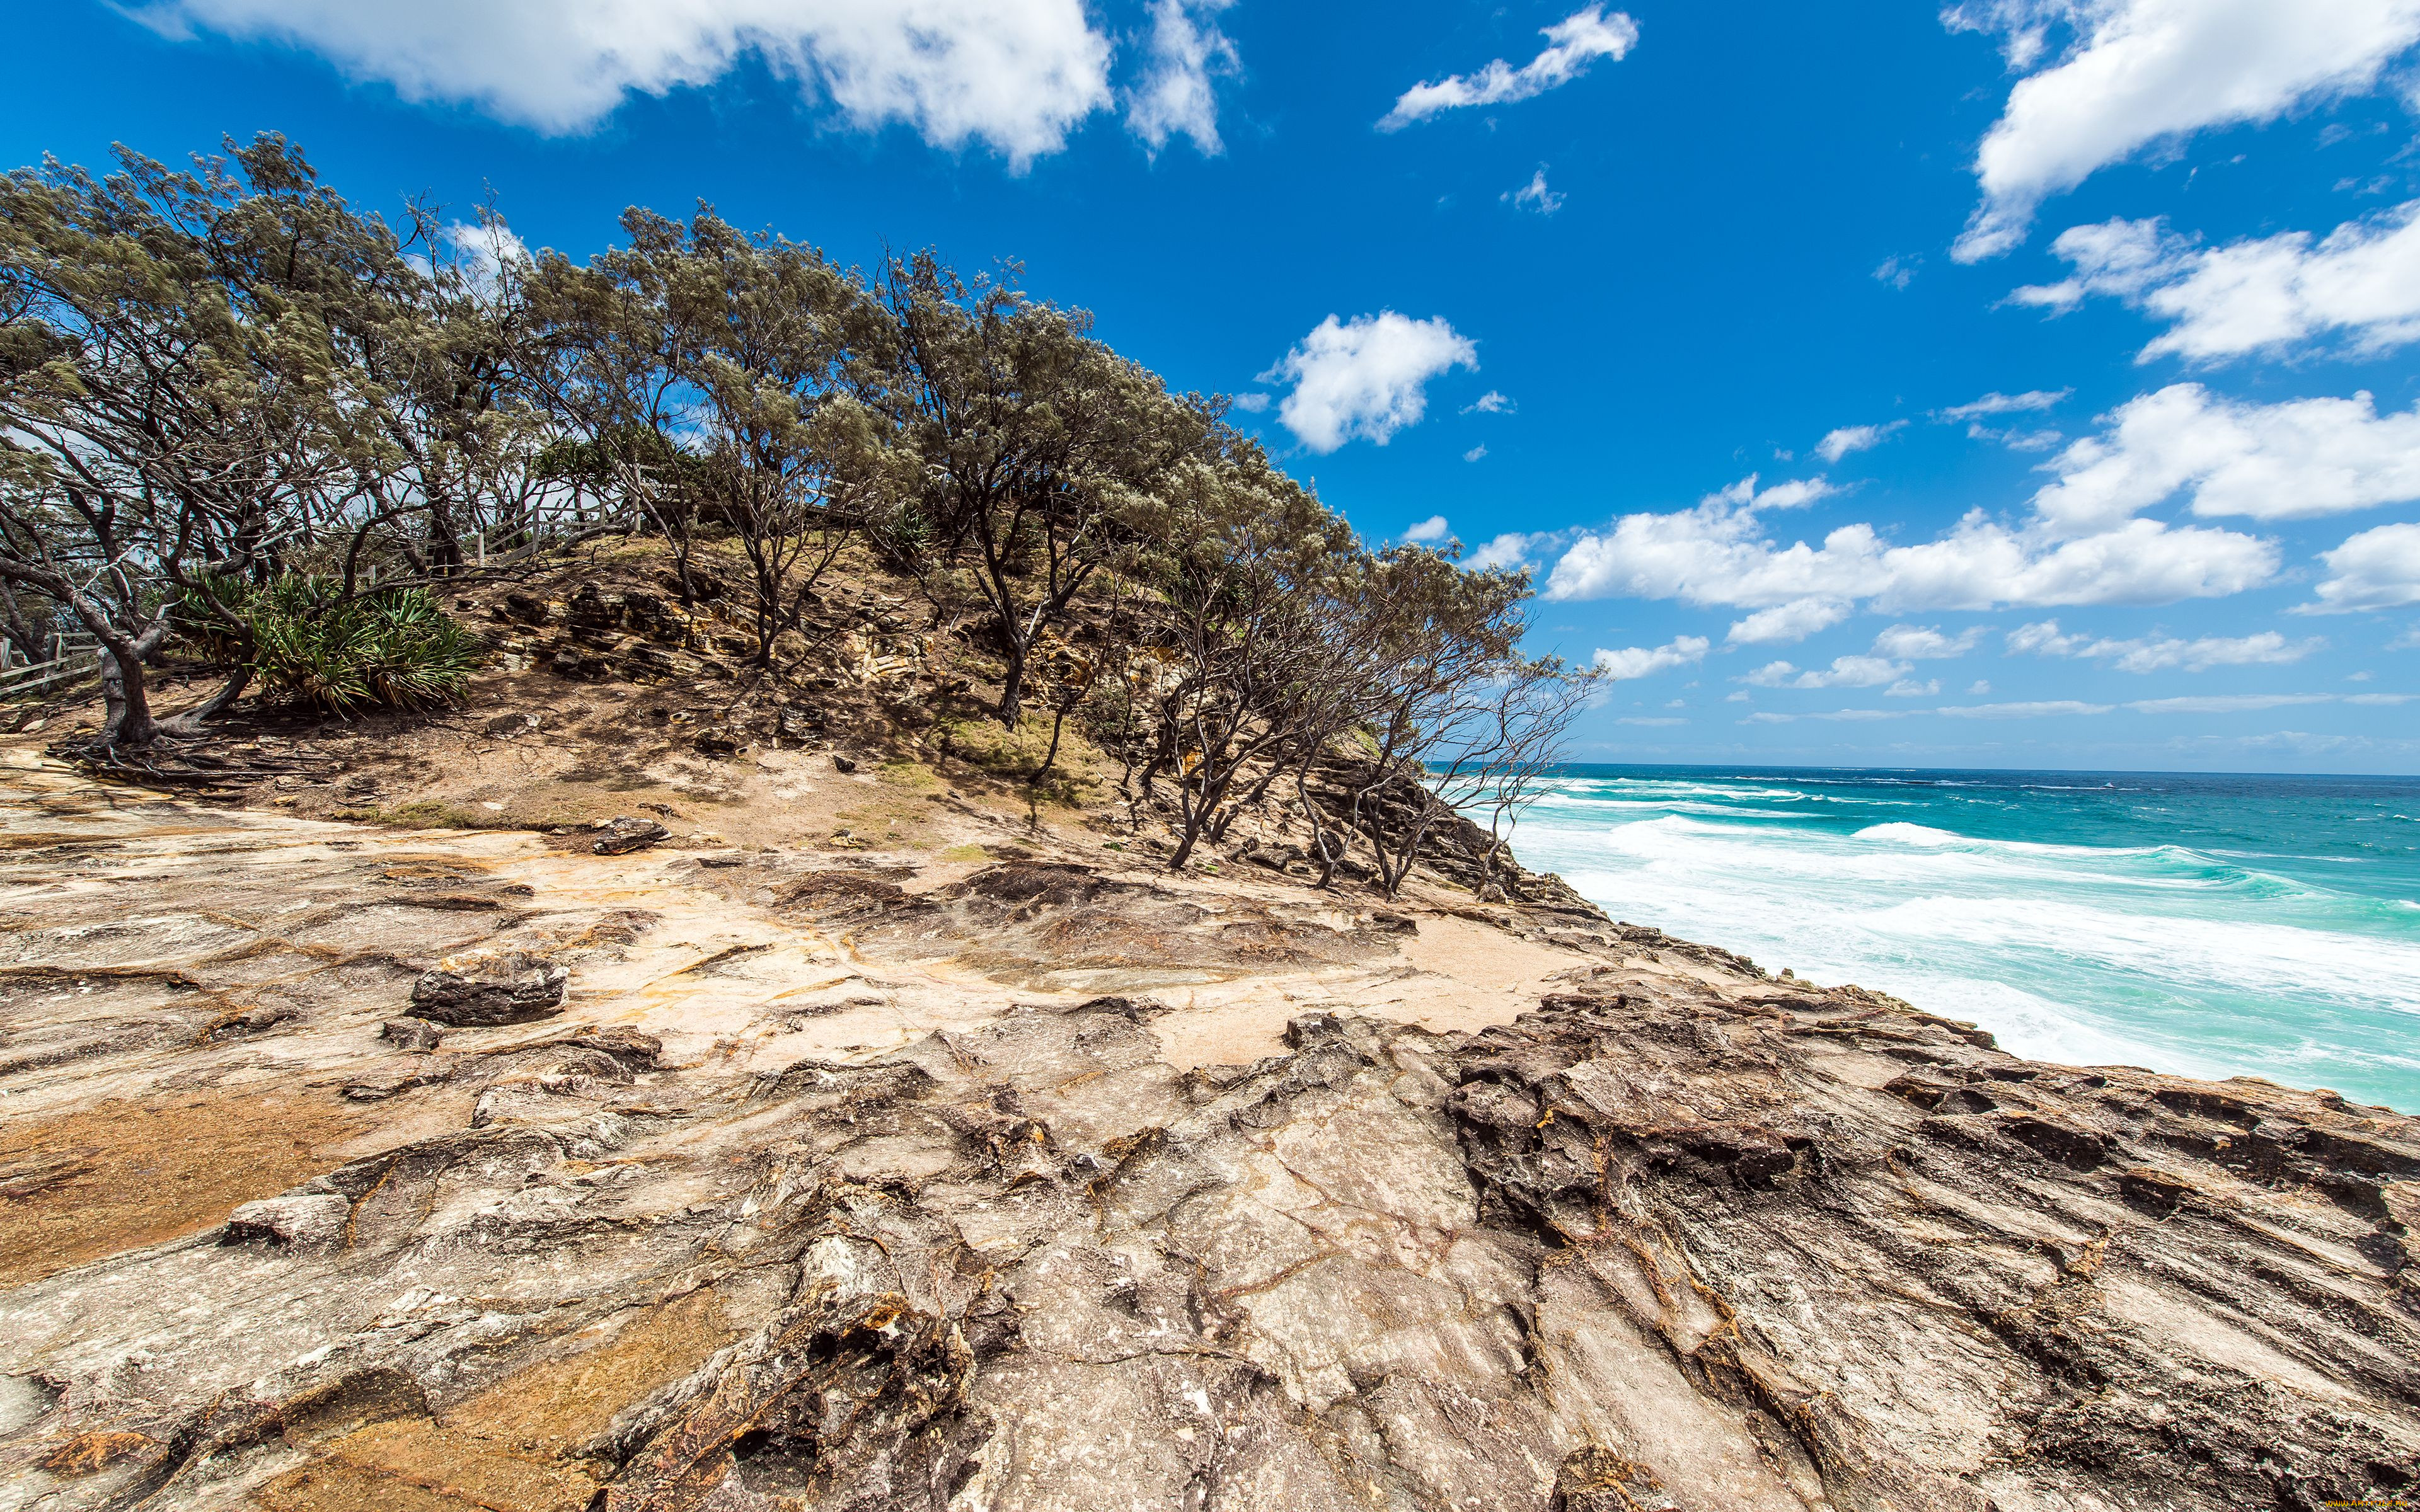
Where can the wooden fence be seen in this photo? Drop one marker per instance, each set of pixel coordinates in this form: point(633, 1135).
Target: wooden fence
point(78, 657)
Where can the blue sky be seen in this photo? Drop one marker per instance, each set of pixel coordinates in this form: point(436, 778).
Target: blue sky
point(2030, 383)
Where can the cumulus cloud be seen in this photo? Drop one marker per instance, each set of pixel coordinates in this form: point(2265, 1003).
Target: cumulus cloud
point(1908, 687)
point(1476, 453)
point(2267, 295)
point(1365, 378)
point(1899, 272)
point(1017, 76)
point(2289, 460)
point(1535, 195)
point(1922, 642)
point(1251, 404)
point(2162, 653)
point(1787, 623)
point(2148, 71)
point(1176, 95)
point(1510, 550)
point(1845, 672)
point(1840, 443)
point(2375, 569)
point(1490, 403)
point(1430, 530)
point(1723, 553)
point(1572, 44)
point(1645, 661)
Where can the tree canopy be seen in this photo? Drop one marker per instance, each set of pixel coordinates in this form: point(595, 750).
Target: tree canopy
point(234, 405)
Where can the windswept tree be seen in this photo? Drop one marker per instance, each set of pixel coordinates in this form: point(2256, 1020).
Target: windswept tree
point(1437, 640)
point(167, 381)
point(770, 345)
point(1021, 445)
point(444, 421)
point(1246, 575)
point(1513, 750)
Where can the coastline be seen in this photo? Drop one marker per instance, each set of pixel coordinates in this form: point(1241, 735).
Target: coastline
point(1036, 1178)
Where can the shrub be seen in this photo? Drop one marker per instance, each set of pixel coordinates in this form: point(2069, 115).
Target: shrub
point(306, 642)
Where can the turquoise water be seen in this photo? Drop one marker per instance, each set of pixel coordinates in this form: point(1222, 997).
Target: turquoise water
point(2213, 926)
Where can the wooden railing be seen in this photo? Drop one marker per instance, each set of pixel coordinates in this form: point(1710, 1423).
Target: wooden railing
point(78, 657)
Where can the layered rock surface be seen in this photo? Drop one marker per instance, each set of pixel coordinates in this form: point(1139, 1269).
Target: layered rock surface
point(869, 1181)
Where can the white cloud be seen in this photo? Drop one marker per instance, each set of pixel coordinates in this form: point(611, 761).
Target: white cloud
point(2042, 709)
point(2151, 655)
point(1490, 403)
point(1510, 550)
point(1996, 403)
point(1851, 715)
point(1899, 272)
point(1790, 622)
point(1645, 661)
point(2148, 71)
point(1845, 672)
point(1431, 528)
point(1797, 493)
point(1658, 722)
point(1476, 453)
point(2033, 401)
point(2376, 569)
point(2019, 440)
point(1017, 75)
point(2282, 461)
point(1535, 195)
point(1251, 404)
point(1365, 377)
point(1922, 642)
point(1176, 95)
point(2252, 296)
point(1981, 687)
point(2227, 702)
point(1721, 553)
point(1839, 443)
point(1908, 687)
point(1572, 44)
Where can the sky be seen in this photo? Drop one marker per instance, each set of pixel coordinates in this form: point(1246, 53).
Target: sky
point(2024, 383)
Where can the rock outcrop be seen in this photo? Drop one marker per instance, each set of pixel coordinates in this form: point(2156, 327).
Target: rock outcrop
point(1663, 1233)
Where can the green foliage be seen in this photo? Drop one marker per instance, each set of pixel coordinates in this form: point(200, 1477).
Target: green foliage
point(307, 642)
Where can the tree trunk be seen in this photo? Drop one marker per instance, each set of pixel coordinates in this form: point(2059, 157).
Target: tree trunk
point(128, 724)
point(189, 722)
point(1058, 723)
point(1012, 685)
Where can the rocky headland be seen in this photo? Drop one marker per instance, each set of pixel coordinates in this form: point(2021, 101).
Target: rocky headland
point(631, 1093)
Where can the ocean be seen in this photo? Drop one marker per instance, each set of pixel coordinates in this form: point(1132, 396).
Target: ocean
point(2211, 926)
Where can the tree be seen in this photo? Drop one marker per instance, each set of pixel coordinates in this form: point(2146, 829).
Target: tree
point(1436, 639)
point(1521, 741)
point(769, 344)
point(1246, 585)
point(166, 379)
point(1019, 446)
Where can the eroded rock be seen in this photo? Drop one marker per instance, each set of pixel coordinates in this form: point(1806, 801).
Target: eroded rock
point(620, 837)
point(513, 988)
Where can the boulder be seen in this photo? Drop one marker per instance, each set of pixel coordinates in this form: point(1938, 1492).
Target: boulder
point(620, 837)
point(512, 989)
point(411, 1034)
